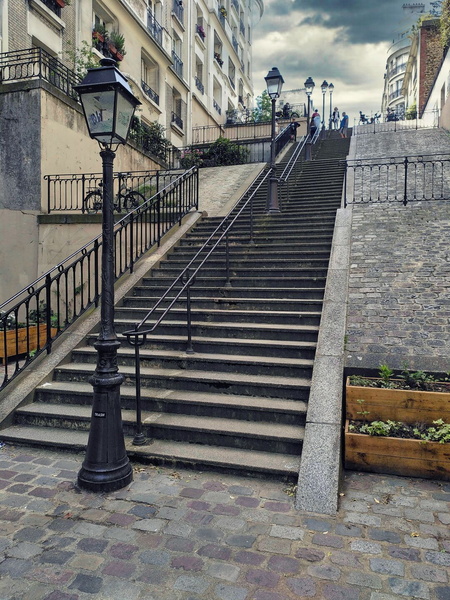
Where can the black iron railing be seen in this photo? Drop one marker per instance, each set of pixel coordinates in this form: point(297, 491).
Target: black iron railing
point(397, 179)
point(36, 63)
point(428, 120)
point(69, 192)
point(153, 27)
point(180, 289)
point(32, 319)
point(177, 64)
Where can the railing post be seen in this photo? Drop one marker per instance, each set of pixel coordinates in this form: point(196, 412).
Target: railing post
point(48, 312)
point(405, 191)
point(139, 437)
point(186, 280)
point(227, 260)
point(131, 225)
point(345, 184)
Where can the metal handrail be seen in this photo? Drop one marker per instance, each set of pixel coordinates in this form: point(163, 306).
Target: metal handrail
point(62, 294)
point(186, 278)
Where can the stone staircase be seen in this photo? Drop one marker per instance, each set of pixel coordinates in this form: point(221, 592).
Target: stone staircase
point(239, 402)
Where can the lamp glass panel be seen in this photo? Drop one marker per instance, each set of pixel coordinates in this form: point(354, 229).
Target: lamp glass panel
point(99, 109)
point(125, 112)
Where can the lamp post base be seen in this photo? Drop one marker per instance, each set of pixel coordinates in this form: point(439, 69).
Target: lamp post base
point(106, 466)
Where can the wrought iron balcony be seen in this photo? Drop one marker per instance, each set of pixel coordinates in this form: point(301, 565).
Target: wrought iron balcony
point(235, 5)
point(177, 64)
point(242, 27)
point(177, 120)
point(153, 27)
point(178, 10)
point(199, 85)
point(235, 43)
point(150, 93)
point(217, 107)
point(54, 6)
point(36, 63)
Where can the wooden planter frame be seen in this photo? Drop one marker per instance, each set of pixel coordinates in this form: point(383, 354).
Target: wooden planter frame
point(14, 347)
point(396, 456)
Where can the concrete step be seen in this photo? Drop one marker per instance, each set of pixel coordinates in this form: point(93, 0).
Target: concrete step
point(231, 433)
point(238, 292)
point(245, 272)
point(255, 331)
point(258, 281)
point(167, 453)
point(267, 386)
point(244, 408)
point(223, 363)
point(225, 315)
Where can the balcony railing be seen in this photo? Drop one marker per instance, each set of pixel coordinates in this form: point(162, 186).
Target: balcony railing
point(36, 63)
point(218, 59)
point(153, 27)
point(242, 27)
point(177, 120)
point(217, 107)
point(177, 64)
point(395, 94)
point(235, 43)
point(53, 6)
point(178, 10)
point(232, 82)
point(199, 85)
point(150, 93)
point(235, 5)
point(396, 70)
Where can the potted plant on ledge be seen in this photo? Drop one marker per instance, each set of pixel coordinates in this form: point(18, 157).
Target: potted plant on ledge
point(398, 425)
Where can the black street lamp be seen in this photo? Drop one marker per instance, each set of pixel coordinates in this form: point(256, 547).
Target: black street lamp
point(309, 87)
point(108, 106)
point(330, 89)
point(274, 82)
point(324, 88)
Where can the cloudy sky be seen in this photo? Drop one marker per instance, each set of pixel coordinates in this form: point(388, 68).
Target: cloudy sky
point(342, 41)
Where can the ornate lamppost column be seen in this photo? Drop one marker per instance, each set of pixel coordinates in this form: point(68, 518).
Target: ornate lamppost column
point(309, 87)
point(108, 106)
point(274, 82)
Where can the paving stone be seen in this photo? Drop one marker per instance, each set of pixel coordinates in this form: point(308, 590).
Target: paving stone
point(179, 544)
point(249, 558)
point(143, 511)
point(262, 578)
point(178, 529)
point(241, 541)
point(119, 568)
point(428, 573)
point(230, 592)
point(442, 593)
point(92, 545)
point(29, 534)
point(188, 563)
point(303, 587)
point(87, 562)
point(365, 547)
point(86, 583)
point(290, 533)
point(311, 555)
point(123, 551)
point(215, 551)
point(438, 558)
point(346, 559)
point(155, 557)
point(381, 535)
point(230, 523)
point(264, 595)
point(324, 539)
point(55, 557)
point(275, 545)
point(15, 567)
point(153, 525)
point(283, 564)
point(386, 566)
point(339, 592)
point(187, 583)
point(223, 571)
point(411, 589)
point(420, 542)
point(25, 550)
point(348, 530)
point(365, 580)
point(324, 572)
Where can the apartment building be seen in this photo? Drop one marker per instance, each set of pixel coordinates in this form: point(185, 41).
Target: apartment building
point(187, 61)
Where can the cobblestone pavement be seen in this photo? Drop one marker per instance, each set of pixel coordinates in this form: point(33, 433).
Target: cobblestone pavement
point(181, 535)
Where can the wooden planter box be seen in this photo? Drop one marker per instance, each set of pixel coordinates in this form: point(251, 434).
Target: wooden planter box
point(10, 347)
point(395, 456)
point(409, 406)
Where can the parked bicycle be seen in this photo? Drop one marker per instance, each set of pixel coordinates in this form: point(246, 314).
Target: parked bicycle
point(126, 199)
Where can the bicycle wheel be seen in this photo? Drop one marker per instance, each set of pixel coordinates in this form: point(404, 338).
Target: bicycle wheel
point(295, 115)
point(92, 202)
point(133, 200)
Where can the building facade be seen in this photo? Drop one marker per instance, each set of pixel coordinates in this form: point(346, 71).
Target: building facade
point(187, 61)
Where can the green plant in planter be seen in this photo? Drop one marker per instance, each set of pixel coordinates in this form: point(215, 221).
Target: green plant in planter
point(438, 432)
point(118, 40)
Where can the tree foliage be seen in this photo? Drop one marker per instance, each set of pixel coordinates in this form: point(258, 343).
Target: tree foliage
point(263, 111)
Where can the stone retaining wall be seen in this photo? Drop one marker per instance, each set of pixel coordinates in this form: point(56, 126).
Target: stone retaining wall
point(399, 277)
